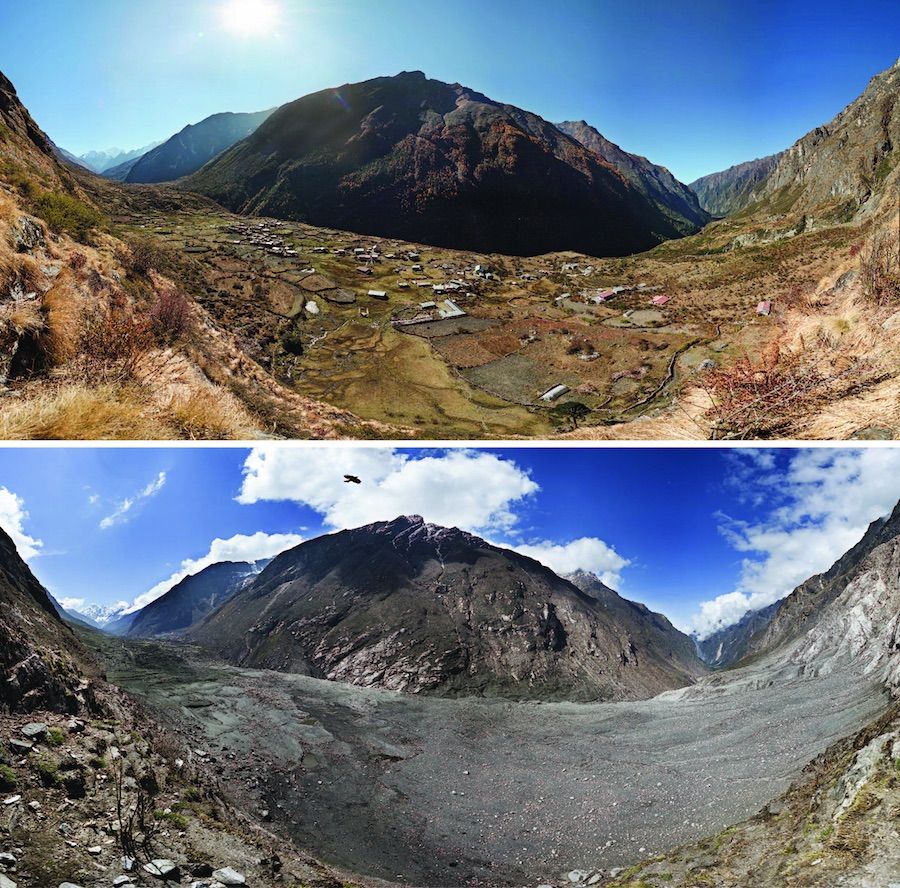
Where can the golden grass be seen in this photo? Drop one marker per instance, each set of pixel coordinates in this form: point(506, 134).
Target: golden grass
point(63, 309)
point(78, 413)
point(211, 414)
point(25, 317)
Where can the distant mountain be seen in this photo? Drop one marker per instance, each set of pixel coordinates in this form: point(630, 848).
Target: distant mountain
point(415, 607)
point(72, 616)
point(101, 614)
point(187, 151)
point(191, 599)
point(101, 161)
point(731, 190)
point(437, 163)
point(732, 643)
point(656, 183)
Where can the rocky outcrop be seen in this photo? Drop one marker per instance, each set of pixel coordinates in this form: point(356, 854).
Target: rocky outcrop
point(414, 607)
point(435, 163)
point(838, 168)
point(729, 191)
point(38, 666)
point(656, 183)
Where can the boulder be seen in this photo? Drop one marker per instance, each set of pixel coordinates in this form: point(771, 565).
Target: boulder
point(6, 882)
point(229, 876)
point(163, 868)
point(121, 880)
point(34, 730)
point(28, 236)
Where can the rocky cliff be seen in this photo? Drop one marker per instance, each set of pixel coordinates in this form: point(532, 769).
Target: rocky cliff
point(729, 191)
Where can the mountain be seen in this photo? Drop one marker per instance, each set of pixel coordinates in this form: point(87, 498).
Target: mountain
point(729, 191)
point(814, 602)
point(731, 643)
point(191, 599)
point(673, 198)
point(38, 668)
point(101, 614)
point(415, 607)
point(437, 163)
point(649, 632)
point(189, 149)
point(101, 161)
point(837, 169)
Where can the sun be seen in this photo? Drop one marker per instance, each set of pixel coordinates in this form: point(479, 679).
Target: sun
point(249, 18)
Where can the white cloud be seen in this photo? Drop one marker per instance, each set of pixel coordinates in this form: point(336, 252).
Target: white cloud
point(473, 490)
point(12, 519)
point(241, 547)
point(826, 500)
point(588, 553)
point(71, 603)
point(121, 513)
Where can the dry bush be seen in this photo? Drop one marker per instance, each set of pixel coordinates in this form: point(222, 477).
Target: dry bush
point(169, 317)
point(764, 399)
point(19, 271)
point(112, 341)
point(211, 414)
point(141, 256)
point(62, 313)
point(77, 261)
point(879, 267)
point(26, 317)
point(79, 413)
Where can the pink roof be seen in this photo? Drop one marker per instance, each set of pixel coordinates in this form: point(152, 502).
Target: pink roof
point(660, 300)
point(764, 308)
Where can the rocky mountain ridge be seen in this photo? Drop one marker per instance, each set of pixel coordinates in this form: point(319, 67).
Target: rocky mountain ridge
point(729, 191)
point(655, 182)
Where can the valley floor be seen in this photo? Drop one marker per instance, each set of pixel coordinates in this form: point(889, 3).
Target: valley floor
point(444, 792)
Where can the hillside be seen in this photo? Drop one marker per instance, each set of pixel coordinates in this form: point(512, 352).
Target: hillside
point(656, 183)
point(187, 151)
point(38, 652)
point(729, 191)
point(837, 171)
point(433, 163)
point(188, 601)
point(410, 606)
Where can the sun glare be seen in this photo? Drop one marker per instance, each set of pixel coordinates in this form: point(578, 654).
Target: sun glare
point(250, 17)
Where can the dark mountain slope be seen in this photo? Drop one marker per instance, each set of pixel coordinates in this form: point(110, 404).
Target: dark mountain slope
point(650, 632)
point(673, 198)
point(732, 643)
point(731, 190)
point(38, 668)
point(411, 606)
point(191, 599)
point(187, 151)
point(431, 162)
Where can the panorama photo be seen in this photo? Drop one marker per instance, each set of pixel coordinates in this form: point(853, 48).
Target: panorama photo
point(479, 219)
point(374, 668)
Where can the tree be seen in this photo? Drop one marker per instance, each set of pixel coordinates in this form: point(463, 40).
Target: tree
point(570, 411)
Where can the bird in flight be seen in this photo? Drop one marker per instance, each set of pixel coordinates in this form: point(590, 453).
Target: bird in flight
point(351, 479)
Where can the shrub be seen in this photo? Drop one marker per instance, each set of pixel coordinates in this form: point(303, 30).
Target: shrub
point(47, 770)
point(569, 413)
point(141, 256)
point(169, 317)
point(64, 213)
point(880, 269)
point(8, 781)
point(55, 736)
point(112, 340)
point(77, 261)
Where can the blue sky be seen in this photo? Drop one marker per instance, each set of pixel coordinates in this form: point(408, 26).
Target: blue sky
point(695, 86)
point(699, 534)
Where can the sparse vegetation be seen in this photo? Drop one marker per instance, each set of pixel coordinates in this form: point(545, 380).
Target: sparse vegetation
point(64, 213)
point(880, 269)
point(8, 780)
